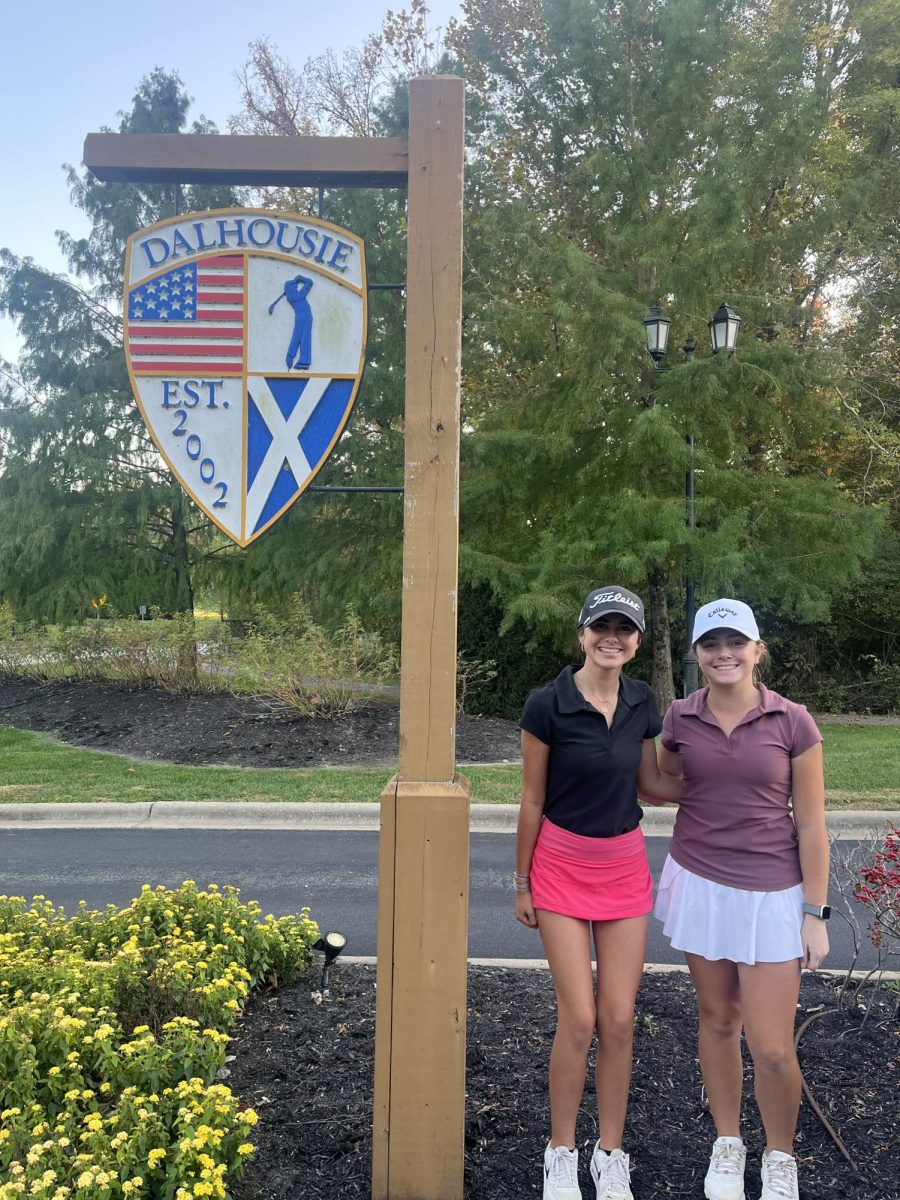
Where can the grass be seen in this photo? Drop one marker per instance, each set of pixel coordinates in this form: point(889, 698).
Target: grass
point(862, 761)
point(861, 764)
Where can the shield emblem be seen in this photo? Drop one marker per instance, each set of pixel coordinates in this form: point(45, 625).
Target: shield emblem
point(245, 334)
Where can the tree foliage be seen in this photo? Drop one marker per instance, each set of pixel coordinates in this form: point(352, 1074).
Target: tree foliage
point(86, 506)
point(688, 152)
point(680, 151)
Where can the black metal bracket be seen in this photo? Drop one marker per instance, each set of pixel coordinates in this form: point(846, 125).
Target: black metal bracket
point(323, 488)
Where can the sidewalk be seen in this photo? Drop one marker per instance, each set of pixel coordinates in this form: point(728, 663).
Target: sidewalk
point(485, 818)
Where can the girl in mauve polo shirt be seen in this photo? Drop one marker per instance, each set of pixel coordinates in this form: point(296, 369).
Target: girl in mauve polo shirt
point(743, 891)
point(582, 874)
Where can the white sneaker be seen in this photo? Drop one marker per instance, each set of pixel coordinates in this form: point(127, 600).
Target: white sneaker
point(561, 1174)
point(779, 1177)
point(611, 1174)
point(725, 1177)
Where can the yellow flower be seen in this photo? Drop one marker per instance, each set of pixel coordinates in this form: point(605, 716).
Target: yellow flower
point(245, 1148)
point(155, 1157)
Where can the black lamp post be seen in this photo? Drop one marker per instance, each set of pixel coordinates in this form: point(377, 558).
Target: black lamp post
point(723, 331)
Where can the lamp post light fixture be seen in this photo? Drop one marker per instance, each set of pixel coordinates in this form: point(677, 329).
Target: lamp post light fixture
point(656, 325)
point(723, 331)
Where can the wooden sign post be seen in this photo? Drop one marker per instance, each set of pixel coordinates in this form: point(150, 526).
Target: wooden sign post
point(420, 1026)
point(419, 1102)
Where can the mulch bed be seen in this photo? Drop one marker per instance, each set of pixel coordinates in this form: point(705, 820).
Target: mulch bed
point(307, 1070)
point(228, 730)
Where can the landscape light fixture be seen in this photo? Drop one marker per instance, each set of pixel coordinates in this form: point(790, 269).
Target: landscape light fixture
point(657, 325)
point(723, 329)
point(331, 945)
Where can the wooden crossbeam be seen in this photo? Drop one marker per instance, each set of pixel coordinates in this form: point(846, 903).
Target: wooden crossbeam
point(247, 159)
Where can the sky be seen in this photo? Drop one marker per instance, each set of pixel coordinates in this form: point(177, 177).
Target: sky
point(70, 67)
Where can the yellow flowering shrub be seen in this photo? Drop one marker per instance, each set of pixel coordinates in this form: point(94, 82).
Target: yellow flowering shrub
point(113, 1027)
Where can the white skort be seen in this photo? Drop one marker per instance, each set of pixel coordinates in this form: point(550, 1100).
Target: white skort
point(716, 921)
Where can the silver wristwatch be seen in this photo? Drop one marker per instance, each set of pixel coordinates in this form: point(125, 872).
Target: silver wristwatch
point(823, 911)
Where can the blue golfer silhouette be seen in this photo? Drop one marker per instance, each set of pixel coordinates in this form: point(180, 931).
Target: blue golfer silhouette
point(299, 352)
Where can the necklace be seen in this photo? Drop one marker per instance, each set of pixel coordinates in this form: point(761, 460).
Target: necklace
point(600, 703)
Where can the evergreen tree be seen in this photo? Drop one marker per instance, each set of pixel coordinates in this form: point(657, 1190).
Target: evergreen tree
point(86, 506)
point(686, 152)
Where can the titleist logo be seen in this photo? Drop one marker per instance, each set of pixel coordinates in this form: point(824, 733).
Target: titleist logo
point(607, 597)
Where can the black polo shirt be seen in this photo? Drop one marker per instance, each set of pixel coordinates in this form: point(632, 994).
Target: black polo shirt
point(592, 769)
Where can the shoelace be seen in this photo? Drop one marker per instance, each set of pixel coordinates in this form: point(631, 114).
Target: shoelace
point(728, 1160)
point(781, 1177)
point(616, 1177)
point(563, 1168)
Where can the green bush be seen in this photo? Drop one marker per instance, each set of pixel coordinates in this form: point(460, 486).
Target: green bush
point(297, 665)
point(178, 654)
point(113, 1027)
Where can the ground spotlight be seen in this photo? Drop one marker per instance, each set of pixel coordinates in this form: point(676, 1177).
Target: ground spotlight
point(331, 945)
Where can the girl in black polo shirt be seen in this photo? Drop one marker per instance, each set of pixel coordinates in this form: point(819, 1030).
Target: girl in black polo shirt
point(582, 874)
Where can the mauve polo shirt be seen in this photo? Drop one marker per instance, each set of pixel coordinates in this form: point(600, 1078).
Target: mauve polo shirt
point(734, 824)
point(592, 768)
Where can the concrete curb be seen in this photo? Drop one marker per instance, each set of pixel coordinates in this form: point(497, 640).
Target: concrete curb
point(176, 814)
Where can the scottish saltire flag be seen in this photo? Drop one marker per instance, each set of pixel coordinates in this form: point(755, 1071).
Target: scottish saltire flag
point(291, 426)
point(245, 337)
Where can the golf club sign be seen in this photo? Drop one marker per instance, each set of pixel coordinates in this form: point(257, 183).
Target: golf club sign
point(245, 335)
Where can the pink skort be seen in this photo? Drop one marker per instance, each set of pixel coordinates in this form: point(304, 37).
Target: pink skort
point(594, 879)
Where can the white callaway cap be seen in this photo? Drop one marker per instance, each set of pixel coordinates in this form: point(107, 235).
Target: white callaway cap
point(726, 614)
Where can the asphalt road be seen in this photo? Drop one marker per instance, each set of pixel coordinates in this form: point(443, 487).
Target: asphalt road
point(334, 873)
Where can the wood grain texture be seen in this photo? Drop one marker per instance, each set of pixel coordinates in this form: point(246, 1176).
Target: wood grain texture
point(420, 1051)
point(431, 500)
point(420, 1026)
point(246, 159)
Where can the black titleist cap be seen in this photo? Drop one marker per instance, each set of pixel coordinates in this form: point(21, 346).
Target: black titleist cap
point(612, 600)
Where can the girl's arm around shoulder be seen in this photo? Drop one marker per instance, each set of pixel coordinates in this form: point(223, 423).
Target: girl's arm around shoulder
point(659, 775)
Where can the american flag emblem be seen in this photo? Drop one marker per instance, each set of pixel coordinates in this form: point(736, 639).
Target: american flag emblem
point(190, 318)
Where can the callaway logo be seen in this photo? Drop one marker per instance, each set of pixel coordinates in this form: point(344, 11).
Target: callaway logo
point(722, 611)
point(607, 597)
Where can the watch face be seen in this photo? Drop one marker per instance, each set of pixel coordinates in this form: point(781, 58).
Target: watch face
point(826, 911)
